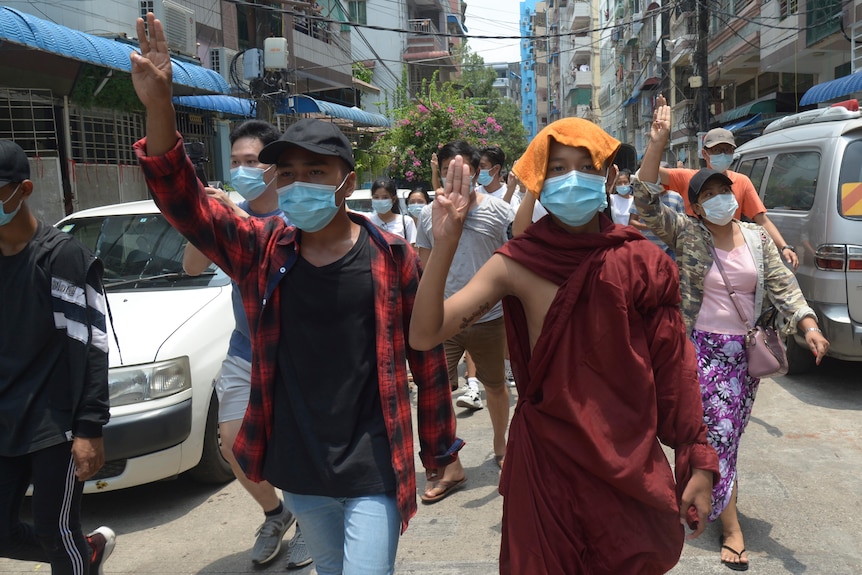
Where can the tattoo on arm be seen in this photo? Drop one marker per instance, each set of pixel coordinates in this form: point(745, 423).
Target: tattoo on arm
point(480, 311)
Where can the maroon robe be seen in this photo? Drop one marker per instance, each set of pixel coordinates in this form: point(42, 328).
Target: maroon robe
point(587, 488)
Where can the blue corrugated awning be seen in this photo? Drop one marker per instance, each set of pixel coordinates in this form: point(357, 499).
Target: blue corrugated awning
point(453, 19)
point(27, 30)
point(733, 126)
point(225, 104)
point(633, 99)
point(309, 105)
point(833, 89)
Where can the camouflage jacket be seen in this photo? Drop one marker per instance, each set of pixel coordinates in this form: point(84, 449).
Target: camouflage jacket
point(691, 240)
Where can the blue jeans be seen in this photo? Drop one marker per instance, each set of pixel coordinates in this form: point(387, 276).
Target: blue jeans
point(349, 536)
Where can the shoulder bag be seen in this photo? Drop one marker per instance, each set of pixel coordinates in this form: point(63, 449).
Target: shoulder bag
point(766, 354)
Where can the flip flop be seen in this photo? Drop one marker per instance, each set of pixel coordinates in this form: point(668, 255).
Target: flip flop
point(735, 566)
point(448, 487)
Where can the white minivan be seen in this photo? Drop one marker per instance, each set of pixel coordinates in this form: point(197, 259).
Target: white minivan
point(168, 334)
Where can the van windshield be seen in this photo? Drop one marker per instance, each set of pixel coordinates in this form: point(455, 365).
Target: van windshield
point(850, 182)
point(139, 247)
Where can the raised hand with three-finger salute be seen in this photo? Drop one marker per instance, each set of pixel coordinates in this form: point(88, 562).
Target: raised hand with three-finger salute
point(449, 209)
point(152, 77)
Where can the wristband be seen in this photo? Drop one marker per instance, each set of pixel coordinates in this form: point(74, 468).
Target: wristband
point(817, 329)
point(789, 247)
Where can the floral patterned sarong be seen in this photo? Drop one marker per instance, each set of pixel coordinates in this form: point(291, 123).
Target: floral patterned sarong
point(728, 396)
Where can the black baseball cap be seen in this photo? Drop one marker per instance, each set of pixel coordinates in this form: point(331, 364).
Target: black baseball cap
point(316, 136)
point(700, 178)
point(14, 166)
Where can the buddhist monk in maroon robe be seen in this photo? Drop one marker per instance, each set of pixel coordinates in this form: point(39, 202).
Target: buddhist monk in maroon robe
point(604, 370)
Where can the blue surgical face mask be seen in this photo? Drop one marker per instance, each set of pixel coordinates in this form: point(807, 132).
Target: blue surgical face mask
point(574, 197)
point(624, 190)
point(248, 181)
point(720, 162)
point(381, 206)
point(485, 177)
point(415, 209)
point(4, 217)
point(309, 206)
point(720, 209)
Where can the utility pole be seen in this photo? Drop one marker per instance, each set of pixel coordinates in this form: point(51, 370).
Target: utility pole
point(548, 60)
point(701, 67)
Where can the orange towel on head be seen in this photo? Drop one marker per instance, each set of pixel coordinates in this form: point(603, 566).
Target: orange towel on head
point(576, 132)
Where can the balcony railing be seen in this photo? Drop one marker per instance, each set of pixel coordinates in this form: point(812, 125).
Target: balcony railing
point(422, 37)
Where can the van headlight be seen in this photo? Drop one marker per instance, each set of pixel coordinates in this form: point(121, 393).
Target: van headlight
point(150, 381)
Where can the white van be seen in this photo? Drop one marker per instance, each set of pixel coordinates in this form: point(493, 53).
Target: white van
point(168, 335)
point(360, 200)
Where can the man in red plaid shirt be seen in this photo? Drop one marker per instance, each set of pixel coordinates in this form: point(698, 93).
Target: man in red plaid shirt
point(329, 304)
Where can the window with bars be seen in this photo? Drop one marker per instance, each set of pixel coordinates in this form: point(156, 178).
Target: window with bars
point(357, 11)
point(198, 127)
point(787, 8)
point(823, 18)
point(105, 136)
point(27, 118)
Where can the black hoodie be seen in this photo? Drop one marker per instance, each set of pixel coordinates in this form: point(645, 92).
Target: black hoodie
point(53, 383)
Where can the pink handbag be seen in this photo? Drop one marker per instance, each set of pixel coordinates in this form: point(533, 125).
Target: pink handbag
point(766, 354)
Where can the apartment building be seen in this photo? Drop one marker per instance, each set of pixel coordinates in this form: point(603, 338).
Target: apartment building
point(736, 63)
point(564, 56)
point(534, 65)
point(418, 39)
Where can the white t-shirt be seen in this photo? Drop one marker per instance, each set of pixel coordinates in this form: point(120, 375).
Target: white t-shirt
point(620, 207)
point(499, 193)
point(402, 225)
point(539, 211)
point(485, 231)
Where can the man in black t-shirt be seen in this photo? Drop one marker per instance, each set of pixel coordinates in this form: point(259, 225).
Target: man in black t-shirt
point(328, 300)
point(53, 381)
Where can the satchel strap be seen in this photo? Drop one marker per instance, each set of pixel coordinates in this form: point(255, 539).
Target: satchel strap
point(730, 290)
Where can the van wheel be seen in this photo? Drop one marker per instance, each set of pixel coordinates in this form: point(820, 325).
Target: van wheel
point(799, 359)
point(213, 467)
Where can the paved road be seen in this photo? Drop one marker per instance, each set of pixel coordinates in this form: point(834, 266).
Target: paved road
point(800, 501)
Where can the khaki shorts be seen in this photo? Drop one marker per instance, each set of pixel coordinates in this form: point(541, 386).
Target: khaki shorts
point(233, 388)
point(486, 343)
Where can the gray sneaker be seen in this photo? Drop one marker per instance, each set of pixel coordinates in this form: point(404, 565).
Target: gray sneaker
point(269, 536)
point(298, 555)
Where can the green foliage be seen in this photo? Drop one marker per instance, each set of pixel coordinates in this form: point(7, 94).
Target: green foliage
point(362, 72)
point(117, 93)
point(478, 78)
point(441, 115)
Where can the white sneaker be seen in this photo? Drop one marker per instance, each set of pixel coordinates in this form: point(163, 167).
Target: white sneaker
point(102, 542)
point(510, 377)
point(470, 399)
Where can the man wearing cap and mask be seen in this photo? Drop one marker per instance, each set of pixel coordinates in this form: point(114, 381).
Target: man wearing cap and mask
point(718, 148)
point(53, 381)
point(328, 303)
point(255, 182)
point(602, 364)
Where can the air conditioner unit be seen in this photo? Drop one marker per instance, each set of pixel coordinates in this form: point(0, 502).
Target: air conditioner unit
point(220, 61)
point(178, 22)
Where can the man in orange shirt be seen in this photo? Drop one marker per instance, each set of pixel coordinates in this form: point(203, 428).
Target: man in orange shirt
point(718, 148)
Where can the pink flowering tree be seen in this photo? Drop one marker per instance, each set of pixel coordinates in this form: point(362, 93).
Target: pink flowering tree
point(436, 116)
